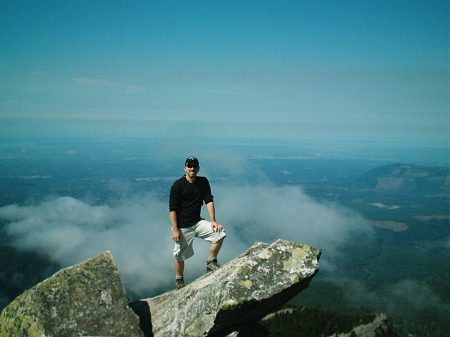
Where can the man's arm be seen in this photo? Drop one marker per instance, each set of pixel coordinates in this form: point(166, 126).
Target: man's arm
point(212, 216)
point(175, 231)
point(174, 206)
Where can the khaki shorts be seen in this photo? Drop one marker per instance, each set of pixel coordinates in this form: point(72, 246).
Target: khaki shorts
point(184, 249)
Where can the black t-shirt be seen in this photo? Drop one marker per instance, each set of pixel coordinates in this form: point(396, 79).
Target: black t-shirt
point(186, 199)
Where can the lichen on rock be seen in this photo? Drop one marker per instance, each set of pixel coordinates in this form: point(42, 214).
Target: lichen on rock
point(244, 290)
point(85, 299)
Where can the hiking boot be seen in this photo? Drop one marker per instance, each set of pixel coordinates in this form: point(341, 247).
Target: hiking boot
point(212, 265)
point(179, 283)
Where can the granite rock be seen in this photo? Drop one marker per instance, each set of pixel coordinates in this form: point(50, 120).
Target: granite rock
point(85, 299)
point(243, 291)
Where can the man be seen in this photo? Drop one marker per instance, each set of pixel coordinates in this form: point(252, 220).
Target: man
point(186, 199)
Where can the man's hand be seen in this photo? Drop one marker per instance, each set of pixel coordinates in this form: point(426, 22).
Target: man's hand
point(216, 227)
point(175, 235)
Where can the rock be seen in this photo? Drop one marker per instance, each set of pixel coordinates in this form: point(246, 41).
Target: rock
point(89, 298)
point(241, 292)
point(85, 299)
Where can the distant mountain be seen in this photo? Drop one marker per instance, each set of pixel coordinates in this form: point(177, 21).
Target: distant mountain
point(406, 178)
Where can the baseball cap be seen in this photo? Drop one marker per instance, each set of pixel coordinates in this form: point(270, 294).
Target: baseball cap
point(191, 161)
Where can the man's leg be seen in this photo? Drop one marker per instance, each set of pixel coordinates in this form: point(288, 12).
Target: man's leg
point(211, 263)
point(214, 249)
point(179, 270)
point(182, 250)
point(205, 232)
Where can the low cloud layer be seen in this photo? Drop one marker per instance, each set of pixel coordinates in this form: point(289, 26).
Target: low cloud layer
point(69, 231)
point(136, 229)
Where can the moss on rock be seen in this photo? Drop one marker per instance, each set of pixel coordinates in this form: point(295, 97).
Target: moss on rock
point(85, 299)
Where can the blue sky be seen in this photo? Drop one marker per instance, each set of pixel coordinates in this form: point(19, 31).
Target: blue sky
point(329, 70)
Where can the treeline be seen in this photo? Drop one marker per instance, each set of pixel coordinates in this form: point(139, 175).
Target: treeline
point(312, 322)
point(303, 321)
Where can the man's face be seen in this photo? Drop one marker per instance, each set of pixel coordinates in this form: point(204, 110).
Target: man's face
point(191, 170)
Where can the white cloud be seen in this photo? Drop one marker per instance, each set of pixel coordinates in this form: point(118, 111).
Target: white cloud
point(232, 90)
point(137, 231)
point(266, 213)
point(98, 83)
point(69, 231)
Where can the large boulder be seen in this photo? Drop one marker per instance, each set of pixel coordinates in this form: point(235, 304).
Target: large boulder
point(85, 299)
point(241, 292)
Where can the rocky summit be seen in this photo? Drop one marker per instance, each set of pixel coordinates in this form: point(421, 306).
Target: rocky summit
point(241, 292)
point(87, 299)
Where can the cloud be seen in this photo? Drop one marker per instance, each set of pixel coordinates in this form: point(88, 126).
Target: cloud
point(229, 90)
point(98, 83)
point(135, 226)
point(69, 231)
point(136, 229)
point(268, 212)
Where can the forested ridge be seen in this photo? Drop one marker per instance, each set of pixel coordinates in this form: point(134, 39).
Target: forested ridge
point(312, 322)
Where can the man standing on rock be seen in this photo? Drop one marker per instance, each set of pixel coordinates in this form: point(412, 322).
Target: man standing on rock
point(186, 199)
